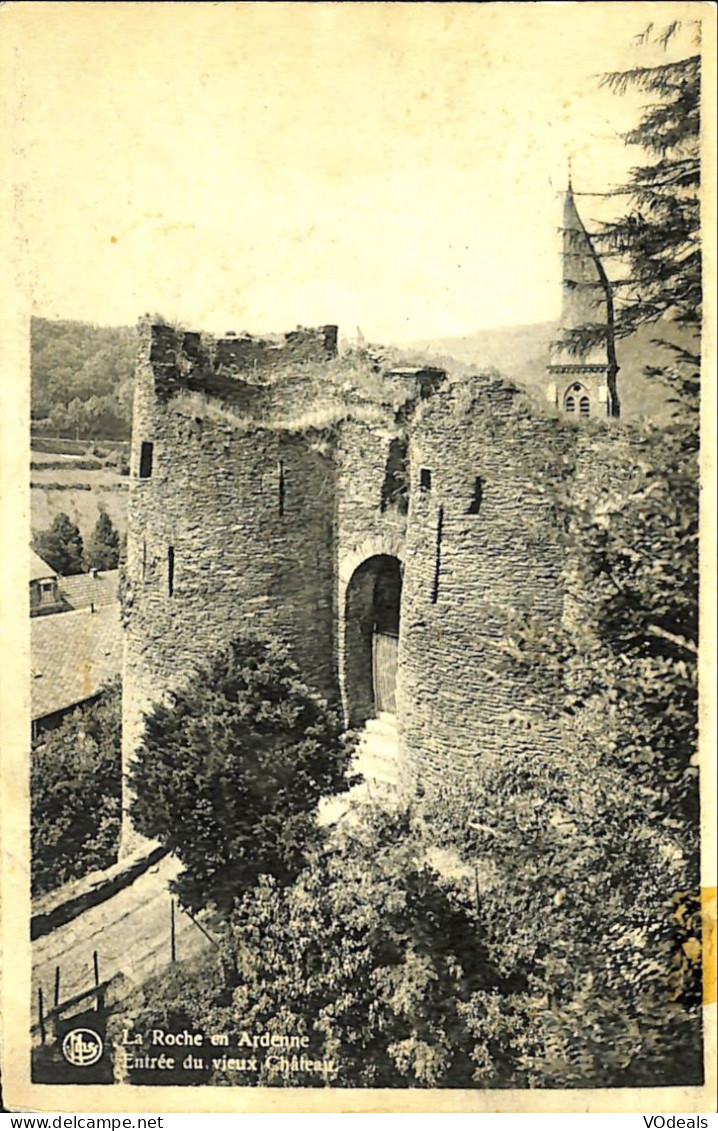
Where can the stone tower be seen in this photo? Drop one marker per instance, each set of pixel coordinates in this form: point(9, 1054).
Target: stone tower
point(390, 543)
point(582, 382)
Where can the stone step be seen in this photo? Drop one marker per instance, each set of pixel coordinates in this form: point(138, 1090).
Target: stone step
point(382, 724)
point(379, 745)
point(378, 742)
point(376, 760)
point(371, 768)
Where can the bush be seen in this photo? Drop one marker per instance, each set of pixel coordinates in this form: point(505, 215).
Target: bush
point(231, 771)
point(78, 761)
point(581, 901)
point(370, 955)
point(65, 465)
point(117, 461)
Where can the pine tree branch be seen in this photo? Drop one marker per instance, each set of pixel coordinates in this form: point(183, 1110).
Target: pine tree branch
point(657, 80)
point(679, 641)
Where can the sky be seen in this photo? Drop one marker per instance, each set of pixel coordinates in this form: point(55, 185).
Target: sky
point(256, 166)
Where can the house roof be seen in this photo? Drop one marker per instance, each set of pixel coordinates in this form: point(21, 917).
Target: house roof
point(38, 568)
point(73, 655)
point(86, 589)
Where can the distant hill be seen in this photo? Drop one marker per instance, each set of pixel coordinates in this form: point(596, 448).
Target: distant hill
point(521, 353)
point(81, 379)
point(82, 373)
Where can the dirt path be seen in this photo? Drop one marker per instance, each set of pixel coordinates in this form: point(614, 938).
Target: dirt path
point(131, 933)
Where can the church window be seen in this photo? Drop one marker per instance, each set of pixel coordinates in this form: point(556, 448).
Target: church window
point(145, 460)
point(170, 571)
point(425, 479)
point(570, 404)
point(584, 406)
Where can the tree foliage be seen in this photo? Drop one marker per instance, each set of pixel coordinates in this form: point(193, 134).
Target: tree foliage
point(584, 894)
point(659, 232)
point(589, 864)
point(76, 794)
point(61, 545)
point(103, 547)
point(369, 954)
point(231, 771)
point(655, 241)
point(82, 378)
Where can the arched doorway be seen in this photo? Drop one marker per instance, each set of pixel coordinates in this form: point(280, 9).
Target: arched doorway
point(372, 616)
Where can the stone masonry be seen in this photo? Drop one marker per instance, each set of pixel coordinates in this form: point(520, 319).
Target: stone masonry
point(266, 498)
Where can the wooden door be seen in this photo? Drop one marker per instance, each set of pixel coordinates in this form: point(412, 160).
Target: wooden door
point(385, 647)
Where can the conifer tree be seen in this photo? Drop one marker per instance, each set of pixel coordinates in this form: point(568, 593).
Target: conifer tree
point(61, 545)
point(103, 547)
point(231, 769)
point(657, 237)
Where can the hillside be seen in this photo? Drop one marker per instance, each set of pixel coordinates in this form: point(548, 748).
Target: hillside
point(79, 486)
point(520, 353)
point(81, 379)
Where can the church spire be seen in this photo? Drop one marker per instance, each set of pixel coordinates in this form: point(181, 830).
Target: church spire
point(583, 380)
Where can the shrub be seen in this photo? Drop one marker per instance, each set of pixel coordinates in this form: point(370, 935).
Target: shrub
point(231, 771)
point(78, 761)
point(369, 955)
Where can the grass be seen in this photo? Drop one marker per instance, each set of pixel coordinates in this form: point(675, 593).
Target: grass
point(314, 396)
point(325, 417)
point(78, 486)
point(83, 507)
point(69, 461)
point(55, 445)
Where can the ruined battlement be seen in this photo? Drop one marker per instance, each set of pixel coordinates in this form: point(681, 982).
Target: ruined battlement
point(386, 522)
point(187, 360)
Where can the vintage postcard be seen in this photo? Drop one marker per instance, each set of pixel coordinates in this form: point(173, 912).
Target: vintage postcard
point(358, 448)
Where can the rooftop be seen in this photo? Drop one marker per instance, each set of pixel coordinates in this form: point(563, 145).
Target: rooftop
point(85, 589)
point(39, 570)
point(73, 655)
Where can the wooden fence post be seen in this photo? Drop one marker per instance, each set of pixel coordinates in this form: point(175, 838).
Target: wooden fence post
point(41, 1014)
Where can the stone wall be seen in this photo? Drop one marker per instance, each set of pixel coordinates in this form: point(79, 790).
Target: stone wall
point(251, 522)
point(231, 532)
point(481, 544)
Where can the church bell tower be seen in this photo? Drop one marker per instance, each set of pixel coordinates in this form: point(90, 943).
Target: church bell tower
point(581, 379)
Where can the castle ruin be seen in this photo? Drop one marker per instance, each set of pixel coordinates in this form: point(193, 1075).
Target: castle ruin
point(385, 523)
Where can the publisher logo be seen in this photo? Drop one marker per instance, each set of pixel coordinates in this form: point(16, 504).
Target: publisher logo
point(82, 1047)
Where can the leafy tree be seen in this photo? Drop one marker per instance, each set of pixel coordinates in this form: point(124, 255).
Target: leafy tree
point(585, 889)
point(231, 770)
point(61, 545)
point(369, 954)
point(80, 759)
point(82, 378)
point(103, 548)
point(589, 865)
